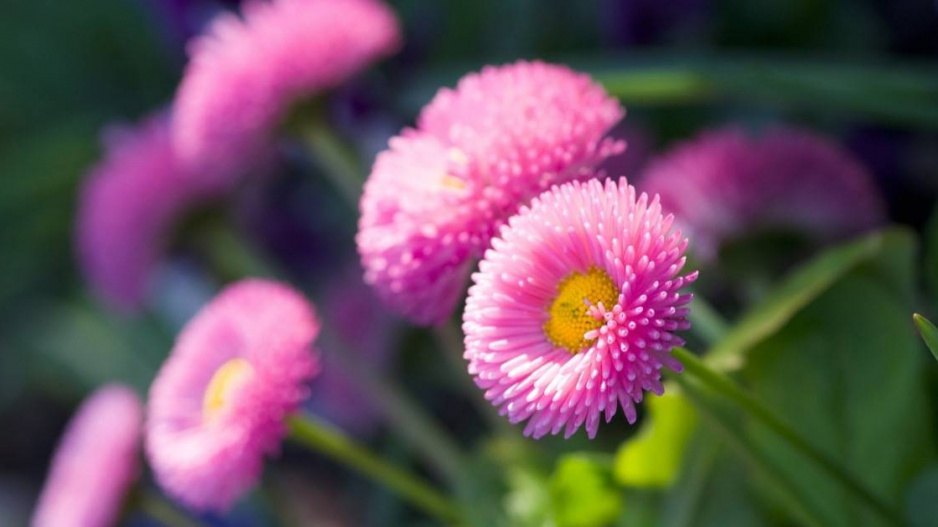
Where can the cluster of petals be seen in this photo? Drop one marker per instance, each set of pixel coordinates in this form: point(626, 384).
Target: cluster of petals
point(129, 203)
point(208, 460)
point(248, 71)
point(727, 182)
point(479, 152)
point(577, 228)
point(96, 463)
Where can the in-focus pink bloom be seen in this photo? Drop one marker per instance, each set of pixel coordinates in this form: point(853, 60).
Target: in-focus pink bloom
point(367, 332)
point(247, 72)
point(573, 311)
point(96, 463)
point(439, 193)
point(127, 207)
point(218, 404)
point(726, 183)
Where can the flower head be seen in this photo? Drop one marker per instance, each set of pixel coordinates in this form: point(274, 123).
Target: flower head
point(95, 464)
point(727, 182)
point(439, 193)
point(573, 311)
point(217, 406)
point(128, 204)
point(246, 73)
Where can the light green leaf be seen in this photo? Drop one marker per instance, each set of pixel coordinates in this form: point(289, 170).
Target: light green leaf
point(797, 291)
point(929, 333)
point(583, 494)
point(846, 371)
point(653, 457)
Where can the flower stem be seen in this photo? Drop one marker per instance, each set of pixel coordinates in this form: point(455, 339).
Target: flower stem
point(403, 414)
point(734, 436)
point(334, 157)
point(752, 406)
point(335, 445)
point(161, 510)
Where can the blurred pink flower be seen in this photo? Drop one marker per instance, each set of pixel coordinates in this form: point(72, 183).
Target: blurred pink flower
point(727, 182)
point(96, 463)
point(218, 405)
point(247, 72)
point(368, 333)
point(480, 151)
point(128, 203)
point(573, 311)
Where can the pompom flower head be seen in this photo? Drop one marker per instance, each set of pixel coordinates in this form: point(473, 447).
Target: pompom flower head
point(573, 311)
point(480, 151)
point(95, 464)
point(246, 73)
point(727, 182)
point(217, 406)
point(128, 205)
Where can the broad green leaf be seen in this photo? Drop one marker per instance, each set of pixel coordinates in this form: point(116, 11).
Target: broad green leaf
point(798, 290)
point(929, 333)
point(654, 456)
point(846, 370)
point(583, 493)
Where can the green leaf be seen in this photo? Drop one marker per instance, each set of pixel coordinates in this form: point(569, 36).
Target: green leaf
point(903, 93)
point(583, 493)
point(654, 456)
point(799, 289)
point(929, 333)
point(846, 371)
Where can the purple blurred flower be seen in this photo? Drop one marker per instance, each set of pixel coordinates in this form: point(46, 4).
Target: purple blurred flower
point(128, 204)
point(247, 72)
point(95, 464)
point(726, 183)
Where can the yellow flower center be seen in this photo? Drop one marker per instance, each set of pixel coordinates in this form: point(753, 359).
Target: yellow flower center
point(226, 381)
point(569, 313)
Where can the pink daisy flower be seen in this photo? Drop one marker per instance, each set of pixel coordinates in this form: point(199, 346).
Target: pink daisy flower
point(727, 182)
point(96, 463)
point(217, 406)
point(439, 193)
point(128, 205)
point(247, 72)
point(573, 311)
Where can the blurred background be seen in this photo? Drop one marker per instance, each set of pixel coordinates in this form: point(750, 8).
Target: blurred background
point(68, 69)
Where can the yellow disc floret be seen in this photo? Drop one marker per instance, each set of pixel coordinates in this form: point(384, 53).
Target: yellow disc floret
point(227, 379)
point(569, 312)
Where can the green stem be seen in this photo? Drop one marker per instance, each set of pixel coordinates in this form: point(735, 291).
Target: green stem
point(230, 255)
point(731, 432)
point(161, 510)
point(334, 157)
point(338, 447)
point(752, 406)
point(406, 417)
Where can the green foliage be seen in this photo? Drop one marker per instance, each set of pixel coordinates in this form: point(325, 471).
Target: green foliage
point(929, 333)
point(920, 501)
point(803, 286)
point(583, 493)
point(845, 370)
point(654, 456)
